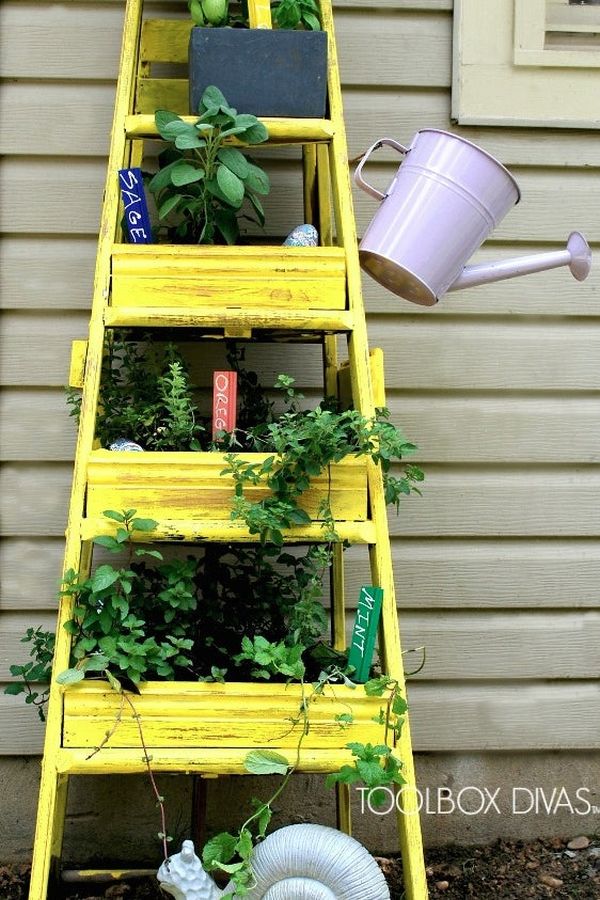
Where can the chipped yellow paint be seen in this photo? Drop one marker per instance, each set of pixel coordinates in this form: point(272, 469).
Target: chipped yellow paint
point(151, 275)
point(231, 716)
point(190, 486)
point(316, 293)
point(281, 131)
point(77, 365)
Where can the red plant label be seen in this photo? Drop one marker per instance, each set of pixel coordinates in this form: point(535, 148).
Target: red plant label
point(224, 401)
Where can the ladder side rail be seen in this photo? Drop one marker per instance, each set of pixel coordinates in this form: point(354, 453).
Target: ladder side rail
point(362, 392)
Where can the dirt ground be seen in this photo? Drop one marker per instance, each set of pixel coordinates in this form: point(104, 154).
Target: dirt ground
point(501, 871)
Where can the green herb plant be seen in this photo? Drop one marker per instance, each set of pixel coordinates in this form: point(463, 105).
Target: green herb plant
point(374, 766)
point(35, 673)
point(287, 14)
point(202, 182)
point(304, 443)
point(145, 391)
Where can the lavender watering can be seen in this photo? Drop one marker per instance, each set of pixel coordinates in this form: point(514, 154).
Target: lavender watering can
point(446, 198)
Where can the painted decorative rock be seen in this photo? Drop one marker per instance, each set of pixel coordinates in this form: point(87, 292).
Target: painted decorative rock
point(124, 444)
point(303, 862)
point(302, 236)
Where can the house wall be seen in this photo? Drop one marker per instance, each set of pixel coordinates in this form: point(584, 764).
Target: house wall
point(498, 565)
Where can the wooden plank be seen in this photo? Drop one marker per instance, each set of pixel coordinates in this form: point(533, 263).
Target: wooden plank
point(191, 486)
point(35, 424)
point(509, 502)
point(38, 351)
point(439, 354)
point(505, 717)
point(430, 573)
point(31, 570)
point(514, 429)
point(24, 283)
point(487, 574)
point(552, 205)
point(223, 277)
point(85, 110)
point(416, 50)
point(548, 502)
point(492, 717)
point(25, 262)
point(12, 628)
point(463, 355)
point(459, 646)
point(33, 45)
point(74, 118)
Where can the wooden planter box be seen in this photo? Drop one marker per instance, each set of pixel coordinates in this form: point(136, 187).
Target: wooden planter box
point(273, 278)
point(189, 486)
point(181, 715)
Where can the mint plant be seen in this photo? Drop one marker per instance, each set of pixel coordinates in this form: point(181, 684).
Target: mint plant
point(202, 183)
point(304, 443)
point(35, 673)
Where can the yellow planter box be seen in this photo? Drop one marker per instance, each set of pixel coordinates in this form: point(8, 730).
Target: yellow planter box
point(236, 716)
point(189, 486)
point(270, 278)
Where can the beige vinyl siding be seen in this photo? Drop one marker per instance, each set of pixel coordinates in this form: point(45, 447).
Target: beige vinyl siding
point(498, 565)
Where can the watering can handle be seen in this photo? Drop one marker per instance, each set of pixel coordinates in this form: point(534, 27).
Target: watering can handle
point(359, 180)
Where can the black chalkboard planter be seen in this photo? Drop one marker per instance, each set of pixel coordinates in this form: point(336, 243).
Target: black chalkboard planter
point(268, 72)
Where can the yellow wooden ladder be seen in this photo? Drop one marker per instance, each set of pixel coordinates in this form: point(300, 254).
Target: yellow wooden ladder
point(311, 294)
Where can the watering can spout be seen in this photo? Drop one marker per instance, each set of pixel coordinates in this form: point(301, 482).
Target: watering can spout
point(577, 256)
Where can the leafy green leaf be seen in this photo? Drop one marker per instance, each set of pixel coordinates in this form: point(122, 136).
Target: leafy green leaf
point(143, 524)
point(114, 515)
point(163, 118)
point(185, 173)
point(231, 185)
point(14, 688)
point(103, 577)
point(108, 542)
point(257, 180)
point(235, 161)
point(70, 676)
point(212, 96)
point(266, 762)
point(218, 850)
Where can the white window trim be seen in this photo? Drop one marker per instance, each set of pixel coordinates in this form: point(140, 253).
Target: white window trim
point(531, 30)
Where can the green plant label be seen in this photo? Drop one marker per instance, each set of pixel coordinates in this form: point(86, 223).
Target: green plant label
point(366, 621)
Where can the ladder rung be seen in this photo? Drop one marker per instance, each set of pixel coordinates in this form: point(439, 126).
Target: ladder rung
point(104, 876)
point(227, 532)
point(203, 761)
point(323, 321)
point(281, 131)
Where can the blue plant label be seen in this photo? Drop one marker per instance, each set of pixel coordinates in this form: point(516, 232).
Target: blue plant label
point(137, 217)
point(364, 632)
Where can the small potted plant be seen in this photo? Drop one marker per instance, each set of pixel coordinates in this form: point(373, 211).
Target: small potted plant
point(276, 72)
point(204, 187)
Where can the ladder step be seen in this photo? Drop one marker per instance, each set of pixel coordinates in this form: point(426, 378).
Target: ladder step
point(104, 876)
point(188, 491)
point(272, 277)
point(233, 322)
point(281, 131)
point(207, 531)
point(211, 762)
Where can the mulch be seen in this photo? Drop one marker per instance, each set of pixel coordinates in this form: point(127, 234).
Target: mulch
point(504, 870)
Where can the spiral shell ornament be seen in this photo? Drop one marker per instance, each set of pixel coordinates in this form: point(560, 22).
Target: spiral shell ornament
point(298, 862)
